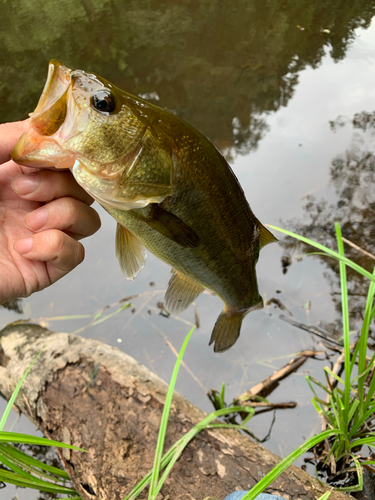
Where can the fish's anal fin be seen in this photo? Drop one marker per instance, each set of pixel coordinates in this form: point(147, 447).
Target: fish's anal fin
point(130, 252)
point(181, 292)
point(266, 236)
point(226, 330)
point(171, 227)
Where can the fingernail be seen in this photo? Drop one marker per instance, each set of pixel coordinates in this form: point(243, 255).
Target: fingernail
point(37, 219)
point(23, 246)
point(25, 184)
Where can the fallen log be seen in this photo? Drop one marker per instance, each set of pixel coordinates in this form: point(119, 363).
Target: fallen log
point(91, 395)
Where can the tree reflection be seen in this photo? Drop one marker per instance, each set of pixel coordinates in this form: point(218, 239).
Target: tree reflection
point(353, 177)
point(221, 66)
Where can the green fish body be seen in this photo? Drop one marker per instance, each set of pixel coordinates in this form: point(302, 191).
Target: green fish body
point(167, 186)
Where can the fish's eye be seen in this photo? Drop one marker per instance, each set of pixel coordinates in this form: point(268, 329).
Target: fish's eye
point(103, 101)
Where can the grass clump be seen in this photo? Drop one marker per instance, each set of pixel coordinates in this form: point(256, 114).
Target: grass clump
point(20, 469)
point(349, 406)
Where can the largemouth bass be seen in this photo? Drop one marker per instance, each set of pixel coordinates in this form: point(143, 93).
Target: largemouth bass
point(167, 186)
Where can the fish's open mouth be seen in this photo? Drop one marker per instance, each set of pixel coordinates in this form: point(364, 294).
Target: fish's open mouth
point(36, 148)
point(50, 111)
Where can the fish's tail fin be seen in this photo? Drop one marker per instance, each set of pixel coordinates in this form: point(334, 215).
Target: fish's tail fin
point(226, 330)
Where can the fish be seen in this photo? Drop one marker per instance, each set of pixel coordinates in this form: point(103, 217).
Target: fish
point(167, 186)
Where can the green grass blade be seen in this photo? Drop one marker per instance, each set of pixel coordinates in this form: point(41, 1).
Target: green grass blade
point(222, 395)
point(327, 251)
point(16, 479)
point(369, 441)
point(354, 356)
point(334, 375)
point(325, 496)
point(14, 467)
point(286, 462)
point(95, 321)
point(310, 379)
point(364, 339)
point(26, 459)
point(345, 323)
point(12, 399)
point(363, 374)
point(182, 442)
point(42, 484)
point(24, 468)
point(361, 421)
point(195, 430)
point(15, 437)
point(356, 487)
point(353, 409)
point(164, 420)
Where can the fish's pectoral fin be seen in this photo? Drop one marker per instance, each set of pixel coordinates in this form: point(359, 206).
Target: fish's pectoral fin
point(226, 330)
point(130, 252)
point(171, 227)
point(181, 292)
point(265, 236)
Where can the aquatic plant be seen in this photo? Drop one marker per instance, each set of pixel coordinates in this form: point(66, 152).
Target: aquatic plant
point(349, 407)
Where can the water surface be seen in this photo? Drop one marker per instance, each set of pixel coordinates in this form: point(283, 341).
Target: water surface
point(286, 92)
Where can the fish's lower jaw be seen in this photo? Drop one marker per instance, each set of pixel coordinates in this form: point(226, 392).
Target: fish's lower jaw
point(35, 150)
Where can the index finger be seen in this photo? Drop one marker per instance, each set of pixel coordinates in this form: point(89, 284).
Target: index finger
point(9, 135)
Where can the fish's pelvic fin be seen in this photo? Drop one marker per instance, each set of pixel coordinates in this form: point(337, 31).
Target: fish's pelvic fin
point(181, 292)
point(130, 252)
point(171, 227)
point(226, 330)
point(265, 236)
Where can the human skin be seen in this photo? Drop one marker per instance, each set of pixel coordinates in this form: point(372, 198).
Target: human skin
point(43, 214)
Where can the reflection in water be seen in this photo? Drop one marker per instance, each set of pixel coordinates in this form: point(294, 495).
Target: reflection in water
point(219, 66)
point(13, 305)
point(226, 68)
point(353, 177)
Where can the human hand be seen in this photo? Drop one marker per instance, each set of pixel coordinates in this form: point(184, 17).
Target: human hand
point(43, 214)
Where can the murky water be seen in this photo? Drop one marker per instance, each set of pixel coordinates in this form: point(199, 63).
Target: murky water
point(286, 92)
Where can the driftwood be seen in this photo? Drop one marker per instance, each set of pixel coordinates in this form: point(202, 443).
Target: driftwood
point(91, 395)
point(267, 385)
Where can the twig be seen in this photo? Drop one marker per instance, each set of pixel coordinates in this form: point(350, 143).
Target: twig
point(269, 406)
point(311, 329)
point(266, 438)
point(276, 376)
point(148, 299)
point(172, 348)
point(358, 248)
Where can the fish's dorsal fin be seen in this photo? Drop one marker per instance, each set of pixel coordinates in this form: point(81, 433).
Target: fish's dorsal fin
point(265, 236)
point(130, 252)
point(170, 226)
point(181, 292)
